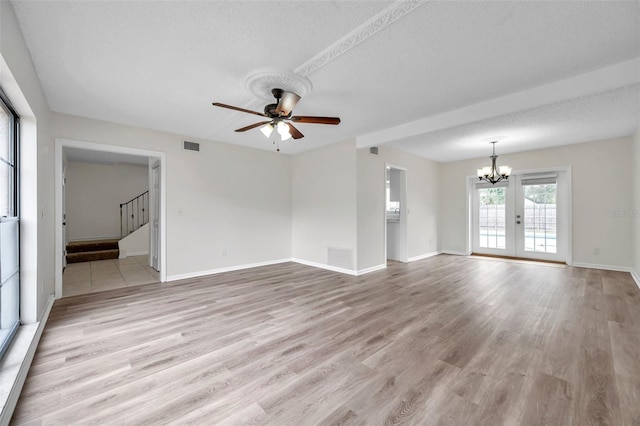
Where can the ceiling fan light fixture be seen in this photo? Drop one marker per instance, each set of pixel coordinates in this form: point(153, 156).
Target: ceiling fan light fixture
point(267, 129)
point(279, 115)
point(283, 130)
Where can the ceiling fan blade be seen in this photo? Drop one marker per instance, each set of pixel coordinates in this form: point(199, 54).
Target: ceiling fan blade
point(286, 103)
point(295, 133)
point(218, 104)
point(252, 126)
point(316, 120)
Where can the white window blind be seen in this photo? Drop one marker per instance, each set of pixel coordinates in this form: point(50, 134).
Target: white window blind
point(539, 179)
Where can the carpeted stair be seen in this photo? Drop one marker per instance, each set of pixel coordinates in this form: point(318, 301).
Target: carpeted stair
point(86, 251)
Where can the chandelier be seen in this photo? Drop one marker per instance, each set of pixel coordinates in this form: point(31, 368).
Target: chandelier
point(492, 174)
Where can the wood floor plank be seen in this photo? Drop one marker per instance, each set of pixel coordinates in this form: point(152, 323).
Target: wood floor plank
point(549, 402)
point(503, 400)
point(447, 340)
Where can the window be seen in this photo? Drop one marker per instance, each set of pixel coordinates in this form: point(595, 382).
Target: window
point(9, 225)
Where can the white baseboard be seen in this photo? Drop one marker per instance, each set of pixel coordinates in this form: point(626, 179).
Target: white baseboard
point(135, 253)
point(371, 269)
point(274, 262)
point(455, 253)
point(12, 398)
point(604, 267)
point(635, 277)
point(325, 266)
point(338, 269)
point(423, 256)
point(227, 269)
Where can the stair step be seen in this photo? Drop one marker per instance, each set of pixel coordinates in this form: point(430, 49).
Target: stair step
point(97, 245)
point(90, 256)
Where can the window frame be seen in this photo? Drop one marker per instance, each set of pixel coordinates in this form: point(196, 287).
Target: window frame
point(6, 105)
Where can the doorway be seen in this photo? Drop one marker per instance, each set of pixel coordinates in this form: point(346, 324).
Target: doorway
point(396, 214)
point(154, 252)
point(524, 217)
point(155, 158)
point(64, 216)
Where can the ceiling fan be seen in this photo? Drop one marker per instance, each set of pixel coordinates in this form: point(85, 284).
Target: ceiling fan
point(279, 115)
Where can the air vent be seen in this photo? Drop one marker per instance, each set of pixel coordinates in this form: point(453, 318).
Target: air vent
point(341, 257)
point(373, 150)
point(191, 146)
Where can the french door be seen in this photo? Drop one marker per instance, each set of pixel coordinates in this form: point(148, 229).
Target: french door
point(524, 217)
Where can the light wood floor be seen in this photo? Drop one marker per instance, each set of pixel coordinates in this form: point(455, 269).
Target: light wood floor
point(445, 340)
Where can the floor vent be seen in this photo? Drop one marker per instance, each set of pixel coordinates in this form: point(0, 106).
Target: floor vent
point(191, 146)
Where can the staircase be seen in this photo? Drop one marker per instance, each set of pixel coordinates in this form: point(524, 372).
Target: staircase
point(134, 214)
point(86, 251)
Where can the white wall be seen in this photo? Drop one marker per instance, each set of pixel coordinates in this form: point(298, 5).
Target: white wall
point(423, 186)
point(324, 203)
point(136, 243)
point(223, 199)
point(93, 196)
point(20, 82)
point(596, 201)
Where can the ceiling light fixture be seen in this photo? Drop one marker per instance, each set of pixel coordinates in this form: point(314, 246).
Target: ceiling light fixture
point(283, 129)
point(491, 174)
point(267, 129)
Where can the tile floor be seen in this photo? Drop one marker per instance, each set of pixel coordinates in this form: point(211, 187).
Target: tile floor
point(101, 275)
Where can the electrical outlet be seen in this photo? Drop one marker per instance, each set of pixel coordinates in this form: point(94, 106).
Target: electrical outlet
point(596, 250)
point(223, 252)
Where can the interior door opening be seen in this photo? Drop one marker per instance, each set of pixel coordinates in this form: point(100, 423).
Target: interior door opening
point(396, 214)
point(157, 207)
point(154, 252)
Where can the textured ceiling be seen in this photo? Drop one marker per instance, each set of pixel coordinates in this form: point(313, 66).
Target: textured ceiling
point(377, 65)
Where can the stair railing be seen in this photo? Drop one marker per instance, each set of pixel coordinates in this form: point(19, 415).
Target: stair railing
point(134, 214)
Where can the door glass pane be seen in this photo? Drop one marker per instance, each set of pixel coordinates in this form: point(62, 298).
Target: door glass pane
point(492, 218)
point(540, 218)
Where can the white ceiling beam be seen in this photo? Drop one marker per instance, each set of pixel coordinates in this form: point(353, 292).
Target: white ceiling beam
point(371, 26)
point(602, 80)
